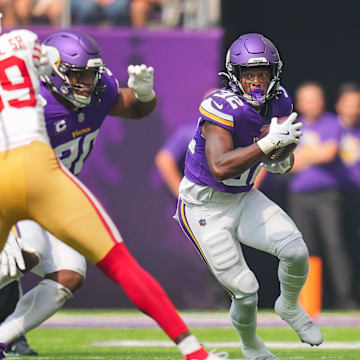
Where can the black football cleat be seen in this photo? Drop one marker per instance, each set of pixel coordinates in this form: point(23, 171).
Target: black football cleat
point(20, 346)
point(3, 350)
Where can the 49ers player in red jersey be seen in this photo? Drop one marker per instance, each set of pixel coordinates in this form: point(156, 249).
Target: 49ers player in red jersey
point(34, 182)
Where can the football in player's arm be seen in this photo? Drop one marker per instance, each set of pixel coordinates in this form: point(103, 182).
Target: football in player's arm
point(218, 208)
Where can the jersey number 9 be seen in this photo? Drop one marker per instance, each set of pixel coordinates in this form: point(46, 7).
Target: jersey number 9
point(14, 76)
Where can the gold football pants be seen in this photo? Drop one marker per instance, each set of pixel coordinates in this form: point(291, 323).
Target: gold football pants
point(35, 185)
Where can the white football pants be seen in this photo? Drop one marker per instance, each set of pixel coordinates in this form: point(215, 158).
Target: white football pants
point(217, 223)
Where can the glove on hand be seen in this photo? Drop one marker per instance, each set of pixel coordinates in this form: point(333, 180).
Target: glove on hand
point(281, 134)
point(280, 167)
point(49, 56)
point(141, 81)
point(11, 257)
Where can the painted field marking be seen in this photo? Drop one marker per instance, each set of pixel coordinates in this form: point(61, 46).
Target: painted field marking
point(234, 344)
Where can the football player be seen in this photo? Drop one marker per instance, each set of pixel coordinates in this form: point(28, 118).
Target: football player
point(219, 210)
point(78, 92)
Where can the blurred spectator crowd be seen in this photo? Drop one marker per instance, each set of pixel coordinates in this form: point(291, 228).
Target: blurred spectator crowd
point(322, 191)
point(137, 13)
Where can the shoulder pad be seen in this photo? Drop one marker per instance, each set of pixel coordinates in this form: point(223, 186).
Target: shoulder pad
point(26, 35)
point(221, 107)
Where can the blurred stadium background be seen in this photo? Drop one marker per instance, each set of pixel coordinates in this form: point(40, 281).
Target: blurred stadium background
point(317, 41)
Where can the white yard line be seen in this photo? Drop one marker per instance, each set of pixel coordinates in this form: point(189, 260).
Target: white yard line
point(235, 344)
point(200, 319)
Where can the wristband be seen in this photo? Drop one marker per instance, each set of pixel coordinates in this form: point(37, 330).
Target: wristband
point(146, 98)
point(266, 145)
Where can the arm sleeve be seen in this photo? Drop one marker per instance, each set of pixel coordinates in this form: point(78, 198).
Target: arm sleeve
point(112, 86)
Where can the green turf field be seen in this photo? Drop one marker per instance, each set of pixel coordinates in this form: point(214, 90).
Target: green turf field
point(341, 342)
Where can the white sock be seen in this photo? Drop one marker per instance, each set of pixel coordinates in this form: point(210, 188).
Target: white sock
point(292, 272)
point(36, 306)
point(290, 287)
point(243, 314)
point(189, 345)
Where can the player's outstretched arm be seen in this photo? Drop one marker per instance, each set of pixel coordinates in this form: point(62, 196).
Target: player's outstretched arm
point(139, 99)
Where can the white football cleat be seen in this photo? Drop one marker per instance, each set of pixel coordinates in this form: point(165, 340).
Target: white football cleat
point(259, 352)
point(301, 322)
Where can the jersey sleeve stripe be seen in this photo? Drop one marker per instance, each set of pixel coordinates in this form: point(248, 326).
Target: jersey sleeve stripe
point(16, 231)
point(207, 106)
point(216, 118)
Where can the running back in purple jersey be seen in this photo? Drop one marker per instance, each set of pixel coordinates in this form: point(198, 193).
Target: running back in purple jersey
point(73, 132)
point(226, 109)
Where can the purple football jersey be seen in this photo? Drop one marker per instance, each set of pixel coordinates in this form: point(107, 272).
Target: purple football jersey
point(73, 132)
point(226, 109)
point(350, 155)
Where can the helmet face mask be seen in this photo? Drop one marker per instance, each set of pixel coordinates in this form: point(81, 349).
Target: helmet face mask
point(251, 51)
point(83, 83)
point(77, 77)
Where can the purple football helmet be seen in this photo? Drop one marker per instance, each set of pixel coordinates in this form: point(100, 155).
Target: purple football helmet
point(77, 75)
point(251, 50)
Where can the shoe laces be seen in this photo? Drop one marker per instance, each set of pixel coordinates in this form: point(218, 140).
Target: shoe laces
point(308, 325)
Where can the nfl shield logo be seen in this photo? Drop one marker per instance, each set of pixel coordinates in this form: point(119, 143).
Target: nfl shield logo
point(202, 222)
point(81, 117)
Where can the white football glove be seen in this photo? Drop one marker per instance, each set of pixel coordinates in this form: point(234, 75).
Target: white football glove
point(11, 257)
point(49, 56)
point(141, 81)
point(281, 135)
point(280, 167)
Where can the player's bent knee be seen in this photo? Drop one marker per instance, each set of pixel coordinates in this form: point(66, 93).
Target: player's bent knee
point(239, 281)
point(295, 254)
point(70, 279)
point(230, 270)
